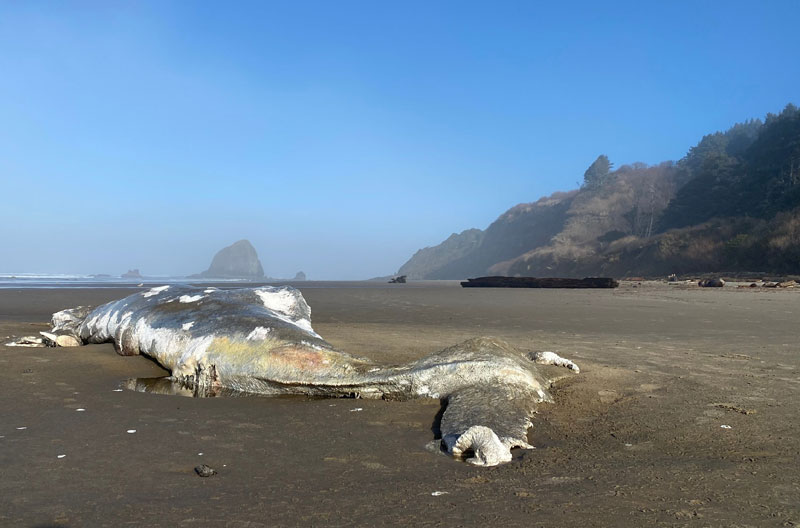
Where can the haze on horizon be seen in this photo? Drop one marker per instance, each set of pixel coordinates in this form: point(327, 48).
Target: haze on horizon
point(339, 138)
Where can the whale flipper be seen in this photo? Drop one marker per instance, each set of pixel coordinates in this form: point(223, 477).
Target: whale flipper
point(487, 421)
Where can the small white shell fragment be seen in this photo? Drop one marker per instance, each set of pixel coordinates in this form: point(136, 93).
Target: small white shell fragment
point(80, 410)
point(117, 390)
point(21, 428)
point(130, 431)
point(628, 445)
point(199, 454)
point(61, 456)
point(437, 493)
point(725, 426)
point(357, 409)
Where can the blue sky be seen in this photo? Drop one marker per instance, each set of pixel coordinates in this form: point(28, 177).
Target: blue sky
point(340, 137)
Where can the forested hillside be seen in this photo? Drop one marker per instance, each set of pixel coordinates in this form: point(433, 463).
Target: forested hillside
point(731, 204)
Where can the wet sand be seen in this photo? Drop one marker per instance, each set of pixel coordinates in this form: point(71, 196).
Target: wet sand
point(634, 440)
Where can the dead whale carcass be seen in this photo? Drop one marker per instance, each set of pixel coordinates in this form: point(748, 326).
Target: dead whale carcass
point(260, 340)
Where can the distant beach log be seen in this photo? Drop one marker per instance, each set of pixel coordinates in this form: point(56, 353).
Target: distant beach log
point(534, 282)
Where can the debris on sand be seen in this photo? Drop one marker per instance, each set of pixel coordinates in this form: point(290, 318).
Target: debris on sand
point(401, 279)
point(780, 284)
point(205, 471)
point(47, 339)
point(60, 340)
point(726, 427)
point(734, 408)
point(715, 282)
point(27, 341)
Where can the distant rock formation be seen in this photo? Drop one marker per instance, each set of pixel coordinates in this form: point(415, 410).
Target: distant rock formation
point(237, 261)
point(300, 276)
point(132, 274)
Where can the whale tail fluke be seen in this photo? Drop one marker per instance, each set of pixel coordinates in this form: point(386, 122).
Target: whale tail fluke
point(484, 422)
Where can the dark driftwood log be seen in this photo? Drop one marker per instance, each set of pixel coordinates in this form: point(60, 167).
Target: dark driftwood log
point(534, 282)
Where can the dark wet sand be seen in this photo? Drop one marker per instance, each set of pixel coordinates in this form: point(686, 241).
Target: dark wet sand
point(634, 440)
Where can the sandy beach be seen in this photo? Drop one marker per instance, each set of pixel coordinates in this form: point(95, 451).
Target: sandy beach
point(685, 413)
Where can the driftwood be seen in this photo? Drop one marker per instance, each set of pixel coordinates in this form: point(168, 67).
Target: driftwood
point(401, 279)
point(545, 282)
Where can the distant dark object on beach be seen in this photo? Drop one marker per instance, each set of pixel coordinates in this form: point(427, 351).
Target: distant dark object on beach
point(534, 282)
point(781, 284)
point(711, 283)
point(300, 276)
point(400, 279)
point(131, 274)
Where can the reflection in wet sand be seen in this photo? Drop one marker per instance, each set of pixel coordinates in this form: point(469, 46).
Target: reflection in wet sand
point(172, 387)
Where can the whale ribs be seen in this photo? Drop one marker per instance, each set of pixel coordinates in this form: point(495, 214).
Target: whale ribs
point(543, 282)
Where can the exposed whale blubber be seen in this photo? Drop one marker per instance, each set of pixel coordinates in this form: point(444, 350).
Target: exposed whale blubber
point(260, 341)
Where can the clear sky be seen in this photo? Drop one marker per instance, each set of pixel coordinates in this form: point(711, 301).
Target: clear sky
point(340, 136)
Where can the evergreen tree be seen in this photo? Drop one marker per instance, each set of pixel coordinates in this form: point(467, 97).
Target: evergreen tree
point(597, 172)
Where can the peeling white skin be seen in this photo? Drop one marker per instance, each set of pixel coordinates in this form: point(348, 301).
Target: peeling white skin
point(155, 291)
point(190, 298)
point(259, 333)
point(551, 358)
point(284, 304)
point(260, 340)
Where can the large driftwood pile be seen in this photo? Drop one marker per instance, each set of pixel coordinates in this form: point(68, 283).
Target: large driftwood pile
point(534, 282)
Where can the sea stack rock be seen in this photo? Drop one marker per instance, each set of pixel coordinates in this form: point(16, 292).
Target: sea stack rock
point(237, 261)
point(131, 274)
point(300, 276)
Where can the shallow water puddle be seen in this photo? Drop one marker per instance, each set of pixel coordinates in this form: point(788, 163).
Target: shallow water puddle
point(172, 387)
